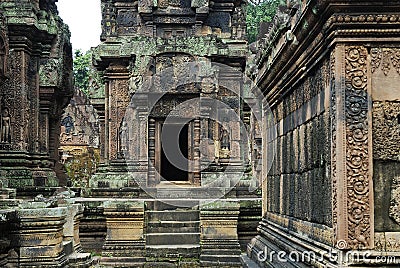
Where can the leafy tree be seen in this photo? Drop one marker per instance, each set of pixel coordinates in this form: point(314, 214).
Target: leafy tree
point(82, 69)
point(255, 14)
point(82, 166)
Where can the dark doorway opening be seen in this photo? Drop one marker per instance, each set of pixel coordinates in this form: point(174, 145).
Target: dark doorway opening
point(178, 169)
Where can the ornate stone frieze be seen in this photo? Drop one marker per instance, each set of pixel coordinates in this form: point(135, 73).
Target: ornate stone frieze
point(385, 59)
point(362, 18)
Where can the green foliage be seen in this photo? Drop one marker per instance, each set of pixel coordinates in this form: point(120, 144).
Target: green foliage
point(87, 78)
point(81, 167)
point(255, 14)
point(82, 69)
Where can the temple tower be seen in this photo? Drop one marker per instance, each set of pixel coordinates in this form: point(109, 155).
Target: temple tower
point(172, 67)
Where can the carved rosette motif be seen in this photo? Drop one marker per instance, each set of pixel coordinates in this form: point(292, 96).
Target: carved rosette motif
point(352, 195)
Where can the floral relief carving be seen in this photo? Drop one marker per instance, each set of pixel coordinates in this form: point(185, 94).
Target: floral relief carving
point(333, 142)
point(376, 57)
point(386, 130)
point(385, 58)
point(357, 149)
point(395, 57)
point(394, 210)
point(386, 61)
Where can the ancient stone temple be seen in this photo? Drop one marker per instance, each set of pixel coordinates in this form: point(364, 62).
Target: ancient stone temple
point(175, 136)
point(149, 54)
point(79, 141)
point(184, 138)
point(329, 71)
point(35, 86)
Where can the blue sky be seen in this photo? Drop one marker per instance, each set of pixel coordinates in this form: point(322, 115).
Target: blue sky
point(83, 18)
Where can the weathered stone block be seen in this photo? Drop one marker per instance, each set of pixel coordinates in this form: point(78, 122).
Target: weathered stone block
point(219, 238)
point(125, 239)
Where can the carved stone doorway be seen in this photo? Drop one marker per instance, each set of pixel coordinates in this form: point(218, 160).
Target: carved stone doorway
point(173, 151)
point(173, 141)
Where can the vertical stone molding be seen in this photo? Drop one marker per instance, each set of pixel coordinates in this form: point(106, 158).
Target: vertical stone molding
point(352, 192)
point(125, 239)
point(219, 239)
point(71, 227)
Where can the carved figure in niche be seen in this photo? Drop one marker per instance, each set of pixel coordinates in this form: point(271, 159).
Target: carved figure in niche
point(134, 84)
point(5, 126)
point(123, 136)
point(225, 145)
point(68, 123)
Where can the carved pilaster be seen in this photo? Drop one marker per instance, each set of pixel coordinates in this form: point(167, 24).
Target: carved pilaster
point(118, 100)
point(196, 152)
point(352, 192)
point(152, 153)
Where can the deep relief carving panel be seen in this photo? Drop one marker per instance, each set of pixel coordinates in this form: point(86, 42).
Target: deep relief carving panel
point(394, 210)
point(386, 130)
point(352, 151)
point(358, 151)
point(50, 72)
point(385, 59)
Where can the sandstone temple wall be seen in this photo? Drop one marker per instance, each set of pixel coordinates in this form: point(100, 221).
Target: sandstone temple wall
point(35, 86)
point(329, 74)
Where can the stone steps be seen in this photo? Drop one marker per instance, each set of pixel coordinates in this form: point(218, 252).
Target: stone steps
point(173, 227)
point(172, 232)
point(174, 215)
point(172, 238)
point(173, 251)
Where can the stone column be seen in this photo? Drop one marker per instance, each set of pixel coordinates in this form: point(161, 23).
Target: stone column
point(219, 238)
point(125, 240)
point(38, 237)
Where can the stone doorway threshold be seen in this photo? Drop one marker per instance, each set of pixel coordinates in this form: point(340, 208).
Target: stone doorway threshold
point(173, 184)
